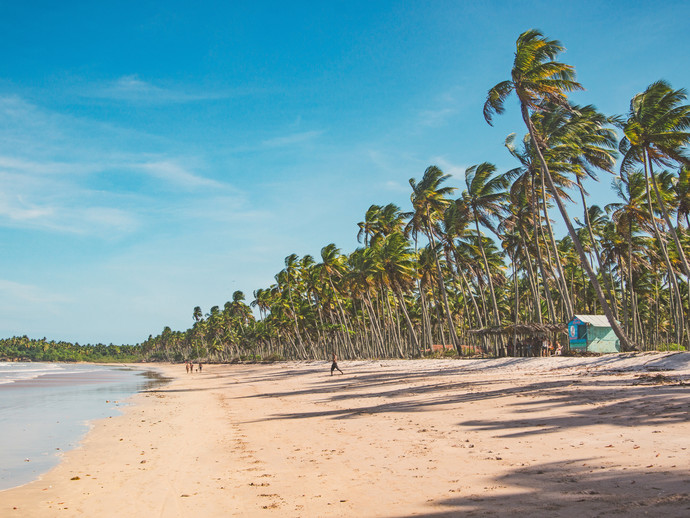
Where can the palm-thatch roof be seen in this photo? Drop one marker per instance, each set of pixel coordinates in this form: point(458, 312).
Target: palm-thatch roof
point(533, 329)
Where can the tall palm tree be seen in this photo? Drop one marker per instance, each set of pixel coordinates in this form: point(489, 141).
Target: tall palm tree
point(333, 266)
point(657, 132)
point(398, 273)
point(581, 141)
point(536, 78)
point(631, 216)
point(683, 196)
point(524, 193)
point(484, 197)
point(429, 201)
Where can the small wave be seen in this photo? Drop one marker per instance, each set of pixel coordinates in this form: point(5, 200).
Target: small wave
point(27, 371)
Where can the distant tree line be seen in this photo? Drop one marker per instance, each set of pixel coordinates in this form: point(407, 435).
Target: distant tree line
point(42, 350)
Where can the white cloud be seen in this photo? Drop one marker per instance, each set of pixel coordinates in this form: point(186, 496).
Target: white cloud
point(61, 216)
point(436, 118)
point(172, 172)
point(390, 185)
point(131, 88)
point(18, 210)
point(9, 163)
point(455, 170)
point(12, 292)
point(292, 139)
point(447, 104)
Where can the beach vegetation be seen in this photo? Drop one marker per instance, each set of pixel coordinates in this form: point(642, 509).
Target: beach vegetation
point(488, 256)
point(24, 348)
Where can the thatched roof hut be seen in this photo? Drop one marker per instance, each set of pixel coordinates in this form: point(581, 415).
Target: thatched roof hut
point(531, 329)
point(528, 339)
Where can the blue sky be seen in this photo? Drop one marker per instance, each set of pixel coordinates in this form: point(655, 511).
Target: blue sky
point(158, 157)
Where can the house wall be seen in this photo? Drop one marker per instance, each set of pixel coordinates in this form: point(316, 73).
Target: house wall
point(602, 340)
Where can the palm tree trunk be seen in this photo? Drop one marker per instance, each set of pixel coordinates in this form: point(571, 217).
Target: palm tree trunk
point(342, 312)
point(532, 278)
point(607, 281)
point(624, 342)
point(401, 300)
point(565, 295)
point(540, 263)
point(680, 320)
point(662, 206)
point(471, 294)
point(442, 289)
point(487, 270)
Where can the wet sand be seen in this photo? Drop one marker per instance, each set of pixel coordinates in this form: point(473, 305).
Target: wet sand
point(550, 437)
point(45, 409)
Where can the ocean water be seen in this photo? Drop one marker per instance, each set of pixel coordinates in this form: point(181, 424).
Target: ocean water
point(46, 408)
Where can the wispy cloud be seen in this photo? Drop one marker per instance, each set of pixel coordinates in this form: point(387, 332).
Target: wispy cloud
point(435, 118)
point(292, 139)
point(394, 186)
point(19, 210)
point(173, 172)
point(446, 105)
point(10, 163)
point(75, 203)
point(14, 291)
point(133, 89)
point(60, 215)
point(71, 175)
point(455, 170)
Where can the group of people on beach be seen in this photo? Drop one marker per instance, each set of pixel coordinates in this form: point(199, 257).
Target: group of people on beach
point(189, 367)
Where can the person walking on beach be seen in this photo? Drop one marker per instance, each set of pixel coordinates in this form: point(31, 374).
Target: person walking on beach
point(199, 366)
point(334, 365)
point(186, 367)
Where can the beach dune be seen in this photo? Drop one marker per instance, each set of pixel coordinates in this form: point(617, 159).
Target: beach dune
point(541, 436)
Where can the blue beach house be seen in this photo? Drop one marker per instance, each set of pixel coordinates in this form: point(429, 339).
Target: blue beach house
point(593, 334)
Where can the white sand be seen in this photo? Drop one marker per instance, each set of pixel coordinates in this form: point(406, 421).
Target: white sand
point(549, 437)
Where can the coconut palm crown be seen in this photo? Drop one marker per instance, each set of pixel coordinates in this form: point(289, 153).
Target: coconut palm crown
point(536, 76)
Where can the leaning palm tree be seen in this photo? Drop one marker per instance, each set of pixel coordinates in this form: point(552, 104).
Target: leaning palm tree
point(682, 189)
point(631, 216)
point(398, 274)
point(484, 197)
point(429, 201)
point(536, 78)
point(657, 132)
point(581, 141)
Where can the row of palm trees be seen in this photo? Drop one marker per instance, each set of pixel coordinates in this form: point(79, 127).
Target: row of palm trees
point(490, 256)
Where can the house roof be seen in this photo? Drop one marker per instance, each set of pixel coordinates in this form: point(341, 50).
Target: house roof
point(594, 320)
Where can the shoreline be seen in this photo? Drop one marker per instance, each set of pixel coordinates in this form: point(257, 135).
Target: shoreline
point(48, 409)
point(547, 436)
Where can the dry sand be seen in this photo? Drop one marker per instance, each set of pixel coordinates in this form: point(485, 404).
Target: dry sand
point(540, 437)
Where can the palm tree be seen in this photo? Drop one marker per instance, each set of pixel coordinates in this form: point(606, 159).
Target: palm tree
point(580, 142)
point(368, 226)
point(536, 78)
point(485, 194)
point(398, 273)
point(656, 132)
point(524, 193)
point(683, 196)
point(333, 266)
point(429, 201)
point(630, 216)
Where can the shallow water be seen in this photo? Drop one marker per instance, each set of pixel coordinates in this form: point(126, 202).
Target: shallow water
point(45, 409)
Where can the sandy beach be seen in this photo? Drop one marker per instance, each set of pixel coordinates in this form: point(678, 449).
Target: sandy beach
point(540, 437)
